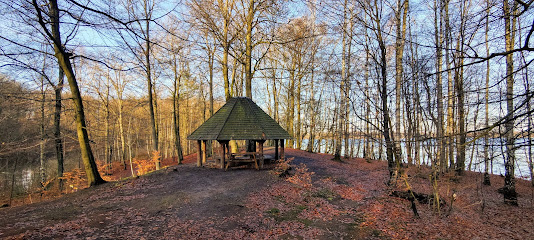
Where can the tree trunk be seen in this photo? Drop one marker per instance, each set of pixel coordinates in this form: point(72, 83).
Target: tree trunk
point(130, 148)
point(291, 105)
point(311, 109)
point(149, 85)
point(176, 112)
point(402, 6)
point(107, 147)
point(275, 96)
point(298, 127)
point(459, 85)
point(57, 128)
point(347, 79)
point(382, 86)
point(450, 89)
point(248, 51)
point(486, 113)
point(121, 129)
point(438, 163)
point(93, 177)
point(341, 99)
point(438, 35)
point(226, 50)
point(510, 194)
point(367, 150)
point(42, 142)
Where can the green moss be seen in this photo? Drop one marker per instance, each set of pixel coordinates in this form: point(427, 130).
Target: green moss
point(376, 233)
point(326, 194)
point(291, 215)
point(273, 212)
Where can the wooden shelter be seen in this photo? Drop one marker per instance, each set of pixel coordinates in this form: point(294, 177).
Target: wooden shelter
point(239, 119)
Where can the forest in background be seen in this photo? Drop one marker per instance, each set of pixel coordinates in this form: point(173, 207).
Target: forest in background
point(415, 82)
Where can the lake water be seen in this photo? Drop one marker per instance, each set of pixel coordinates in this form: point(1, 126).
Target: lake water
point(474, 154)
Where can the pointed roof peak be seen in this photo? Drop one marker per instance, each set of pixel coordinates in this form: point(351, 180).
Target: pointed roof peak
point(239, 119)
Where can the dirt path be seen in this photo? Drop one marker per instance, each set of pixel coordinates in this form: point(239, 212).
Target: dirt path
point(188, 192)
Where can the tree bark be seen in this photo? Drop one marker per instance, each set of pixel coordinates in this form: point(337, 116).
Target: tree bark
point(311, 109)
point(176, 112)
point(42, 142)
point(459, 86)
point(382, 86)
point(486, 103)
point(248, 50)
point(93, 177)
point(291, 105)
point(438, 35)
point(450, 89)
point(342, 88)
point(149, 83)
point(402, 6)
point(57, 128)
point(510, 194)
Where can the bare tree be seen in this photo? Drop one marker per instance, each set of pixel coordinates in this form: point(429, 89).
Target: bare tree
point(50, 24)
point(510, 21)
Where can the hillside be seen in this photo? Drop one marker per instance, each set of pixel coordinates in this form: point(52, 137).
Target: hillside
point(323, 199)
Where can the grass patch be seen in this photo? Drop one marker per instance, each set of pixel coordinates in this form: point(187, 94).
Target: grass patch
point(280, 198)
point(273, 212)
point(291, 215)
point(325, 193)
point(376, 233)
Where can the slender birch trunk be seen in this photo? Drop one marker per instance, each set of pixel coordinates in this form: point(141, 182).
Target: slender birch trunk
point(486, 103)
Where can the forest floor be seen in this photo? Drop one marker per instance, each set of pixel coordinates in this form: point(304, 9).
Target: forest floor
point(321, 199)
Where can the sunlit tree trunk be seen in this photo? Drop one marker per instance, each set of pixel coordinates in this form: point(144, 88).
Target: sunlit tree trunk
point(291, 105)
point(311, 108)
point(93, 177)
point(148, 69)
point(347, 80)
point(460, 93)
point(342, 88)
point(402, 8)
point(275, 92)
point(298, 127)
point(176, 114)
point(486, 103)
point(450, 88)
point(438, 37)
point(42, 142)
point(226, 52)
point(129, 137)
point(107, 130)
point(248, 49)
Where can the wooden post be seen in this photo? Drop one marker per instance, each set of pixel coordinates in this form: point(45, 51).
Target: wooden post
point(228, 152)
point(204, 152)
point(223, 154)
point(276, 149)
point(199, 153)
point(260, 149)
point(282, 154)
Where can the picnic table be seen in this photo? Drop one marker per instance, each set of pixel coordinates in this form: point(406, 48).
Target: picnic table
point(246, 157)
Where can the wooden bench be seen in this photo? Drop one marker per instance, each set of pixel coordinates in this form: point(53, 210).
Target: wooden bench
point(246, 157)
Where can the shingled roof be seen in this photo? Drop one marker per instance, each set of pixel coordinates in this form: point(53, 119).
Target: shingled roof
point(239, 119)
